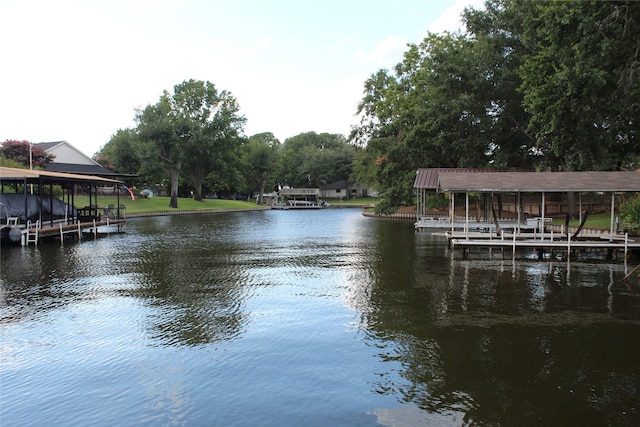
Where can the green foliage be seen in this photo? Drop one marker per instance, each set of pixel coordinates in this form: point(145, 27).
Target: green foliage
point(121, 154)
point(192, 125)
point(578, 80)
point(630, 210)
point(25, 154)
point(538, 85)
point(260, 158)
point(10, 163)
point(436, 202)
point(312, 160)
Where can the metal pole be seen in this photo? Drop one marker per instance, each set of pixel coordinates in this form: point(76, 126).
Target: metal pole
point(542, 218)
point(467, 213)
point(613, 206)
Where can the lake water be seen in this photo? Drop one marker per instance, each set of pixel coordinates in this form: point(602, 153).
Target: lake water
point(310, 318)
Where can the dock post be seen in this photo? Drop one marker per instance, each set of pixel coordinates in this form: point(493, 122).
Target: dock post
point(626, 241)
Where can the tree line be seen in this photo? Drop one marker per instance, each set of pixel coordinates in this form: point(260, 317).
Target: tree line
point(192, 140)
point(540, 85)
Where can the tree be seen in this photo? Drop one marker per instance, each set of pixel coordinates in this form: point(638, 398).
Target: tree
point(260, 159)
point(311, 159)
point(211, 146)
point(171, 126)
point(25, 153)
point(121, 153)
point(579, 79)
point(440, 109)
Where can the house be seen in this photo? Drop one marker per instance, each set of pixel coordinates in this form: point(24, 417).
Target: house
point(68, 159)
point(346, 190)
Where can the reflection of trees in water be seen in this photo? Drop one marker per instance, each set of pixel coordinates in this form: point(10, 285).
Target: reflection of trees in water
point(535, 343)
point(198, 294)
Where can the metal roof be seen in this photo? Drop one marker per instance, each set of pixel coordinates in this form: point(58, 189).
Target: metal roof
point(427, 178)
point(33, 176)
point(539, 182)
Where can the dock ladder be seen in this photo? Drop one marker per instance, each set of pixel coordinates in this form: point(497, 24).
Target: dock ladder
point(32, 233)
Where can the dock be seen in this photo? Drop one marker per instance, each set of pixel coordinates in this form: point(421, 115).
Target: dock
point(541, 243)
point(488, 195)
point(34, 234)
point(31, 211)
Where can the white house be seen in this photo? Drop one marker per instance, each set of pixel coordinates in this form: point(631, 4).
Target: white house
point(69, 159)
point(346, 190)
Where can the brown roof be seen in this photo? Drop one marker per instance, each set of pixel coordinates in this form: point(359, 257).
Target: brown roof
point(13, 174)
point(539, 182)
point(428, 177)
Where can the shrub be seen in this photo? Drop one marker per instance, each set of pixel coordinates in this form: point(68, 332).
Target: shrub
point(630, 210)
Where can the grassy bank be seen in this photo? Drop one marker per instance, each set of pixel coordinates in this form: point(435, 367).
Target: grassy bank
point(161, 204)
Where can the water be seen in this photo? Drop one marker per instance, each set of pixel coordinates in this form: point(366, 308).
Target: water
point(310, 318)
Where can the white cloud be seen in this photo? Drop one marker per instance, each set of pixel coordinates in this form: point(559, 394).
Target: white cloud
point(386, 53)
point(449, 20)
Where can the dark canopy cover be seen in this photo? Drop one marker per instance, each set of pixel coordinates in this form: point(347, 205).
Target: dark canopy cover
point(13, 205)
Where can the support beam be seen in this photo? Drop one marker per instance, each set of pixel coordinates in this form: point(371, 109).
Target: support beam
point(542, 218)
point(613, 207)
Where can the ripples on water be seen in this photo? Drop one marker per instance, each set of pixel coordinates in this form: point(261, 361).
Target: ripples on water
point(309, 318)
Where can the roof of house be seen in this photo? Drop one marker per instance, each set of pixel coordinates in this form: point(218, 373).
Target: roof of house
point(46, 146)
point(539, 182)
point(55, 147)
point(339, 185)
point(81, 169)
point(91, 167)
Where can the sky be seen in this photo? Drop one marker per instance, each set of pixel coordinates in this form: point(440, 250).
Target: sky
point(76, 70)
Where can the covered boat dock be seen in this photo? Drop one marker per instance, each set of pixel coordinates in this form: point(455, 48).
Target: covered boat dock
point(528, 229)
point(30, 210)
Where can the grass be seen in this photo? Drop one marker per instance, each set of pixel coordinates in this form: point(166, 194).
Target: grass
point(600, 220)
point(161, 204)
point(358, 201)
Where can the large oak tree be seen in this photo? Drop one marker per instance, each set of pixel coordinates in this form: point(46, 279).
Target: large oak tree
point(188, 116)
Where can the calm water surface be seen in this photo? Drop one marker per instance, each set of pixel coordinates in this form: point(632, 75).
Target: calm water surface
point(310, 318)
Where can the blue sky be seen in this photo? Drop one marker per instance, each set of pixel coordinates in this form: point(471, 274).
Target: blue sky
point(76, 70)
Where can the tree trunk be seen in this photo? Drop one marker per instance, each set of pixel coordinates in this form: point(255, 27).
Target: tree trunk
point(263, 182)
point(197, 184)
point(173, 179)
point(198, 177)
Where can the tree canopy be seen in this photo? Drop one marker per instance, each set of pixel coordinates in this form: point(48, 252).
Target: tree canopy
point(26, 154)
point(540, 85)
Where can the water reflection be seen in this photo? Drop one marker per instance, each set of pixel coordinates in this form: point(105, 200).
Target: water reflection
point(278, 318)
point(500, 341)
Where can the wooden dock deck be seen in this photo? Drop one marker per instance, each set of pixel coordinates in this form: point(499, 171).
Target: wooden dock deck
point(542, 242)
point(33, 233)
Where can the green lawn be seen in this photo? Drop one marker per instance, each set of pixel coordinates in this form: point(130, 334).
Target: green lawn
point(358, 201)
point(159, 204)
point(600, 220)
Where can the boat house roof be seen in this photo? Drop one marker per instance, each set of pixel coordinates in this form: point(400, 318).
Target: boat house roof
point(539, 182)
point(427, 178)
point(35, 176)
